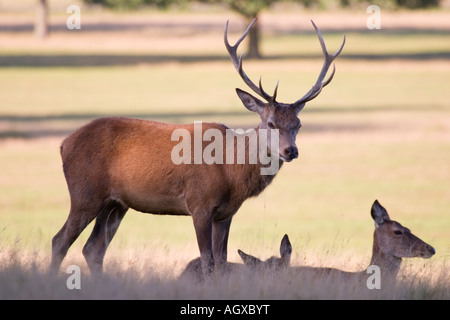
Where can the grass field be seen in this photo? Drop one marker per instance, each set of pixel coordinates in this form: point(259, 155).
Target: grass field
point(380, 130)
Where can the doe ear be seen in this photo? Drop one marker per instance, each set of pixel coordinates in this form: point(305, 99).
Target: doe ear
point(285, 247)
point(249, 101)
point(379, 214)
point(248, 259)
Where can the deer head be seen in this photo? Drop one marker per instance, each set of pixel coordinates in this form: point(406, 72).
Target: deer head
point(393, 240)
point(274, 114)
point(273, 263)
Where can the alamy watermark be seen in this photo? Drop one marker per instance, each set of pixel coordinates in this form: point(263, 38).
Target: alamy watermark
point(74, 280)
point(262, 147)
point(374, 20)
point(74, 20)
point(374, 280)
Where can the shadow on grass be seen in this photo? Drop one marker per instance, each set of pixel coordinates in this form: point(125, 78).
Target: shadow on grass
point(93, 60)
point(175, 28)
point(200, 26)
point(60, 125)
point(90, 116)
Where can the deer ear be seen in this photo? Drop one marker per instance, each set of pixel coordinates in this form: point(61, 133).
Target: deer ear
point(286, 247)
point(248, 259)
point(379, 214)
point(249, 101)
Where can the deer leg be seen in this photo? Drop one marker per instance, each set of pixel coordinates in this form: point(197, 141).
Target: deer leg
point(105, 228)
point(220, 232)
point(79, 217)
point(203, 230)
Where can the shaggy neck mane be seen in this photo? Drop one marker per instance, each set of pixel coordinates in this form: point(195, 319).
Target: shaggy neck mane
point(256, 181)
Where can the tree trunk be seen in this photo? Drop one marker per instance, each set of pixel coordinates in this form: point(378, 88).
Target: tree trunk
point(41, 23)
point(253, 44)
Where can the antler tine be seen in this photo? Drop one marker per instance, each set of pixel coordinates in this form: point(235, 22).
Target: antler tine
point(237, 62)
point(266, 96)
point(328, 60)
point(232, 50)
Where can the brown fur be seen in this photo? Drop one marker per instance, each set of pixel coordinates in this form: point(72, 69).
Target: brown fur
point(113, 164)
point(193, 270)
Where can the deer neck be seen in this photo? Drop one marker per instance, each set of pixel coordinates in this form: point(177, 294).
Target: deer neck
point(389, 264)
point(252, 177)
point(267, 171)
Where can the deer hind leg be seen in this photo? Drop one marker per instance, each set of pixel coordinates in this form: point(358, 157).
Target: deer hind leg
point(106, 225)
point(79, 217)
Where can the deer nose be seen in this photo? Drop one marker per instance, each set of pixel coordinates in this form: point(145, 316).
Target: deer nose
point(291, 152)
point(431, 250)
point(428, 252)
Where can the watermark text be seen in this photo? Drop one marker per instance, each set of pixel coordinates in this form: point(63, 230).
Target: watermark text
point(239, 146)
point(374, 20)
point(74, 20)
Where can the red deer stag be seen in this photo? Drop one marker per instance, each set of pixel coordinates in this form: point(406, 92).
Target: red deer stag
point(113, 164)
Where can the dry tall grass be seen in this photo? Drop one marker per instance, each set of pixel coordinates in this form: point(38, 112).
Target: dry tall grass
point(134, 274)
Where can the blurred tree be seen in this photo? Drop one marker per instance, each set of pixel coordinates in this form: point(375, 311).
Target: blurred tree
point(133, 4)
point(415, 4)
point(250, 9)
point(393, 4)
point(41, 23)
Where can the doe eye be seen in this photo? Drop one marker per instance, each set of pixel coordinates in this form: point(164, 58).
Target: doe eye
point(398, 232)
point(270, 125)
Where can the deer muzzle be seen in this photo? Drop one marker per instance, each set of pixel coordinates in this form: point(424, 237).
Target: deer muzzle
point(289, 154)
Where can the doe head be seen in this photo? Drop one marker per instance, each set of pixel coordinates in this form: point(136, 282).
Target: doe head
point(273, 263)
point(395, 240)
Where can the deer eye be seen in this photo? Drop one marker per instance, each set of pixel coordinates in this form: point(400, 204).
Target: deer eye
point(271, 125)
point(398, 232)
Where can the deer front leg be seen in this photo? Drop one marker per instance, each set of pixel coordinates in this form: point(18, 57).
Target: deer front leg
point(203, 230)
point(220, 232)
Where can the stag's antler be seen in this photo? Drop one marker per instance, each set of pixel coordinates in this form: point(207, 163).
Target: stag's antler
point(237, 62)
point(319, 85)
point(311, 94)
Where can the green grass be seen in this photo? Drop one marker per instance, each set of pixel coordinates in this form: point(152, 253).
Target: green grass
point(144, 90)
point(162, 89)
point(380, 130)
point(376, 44)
